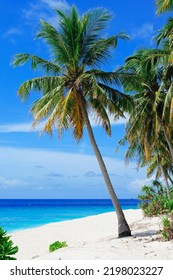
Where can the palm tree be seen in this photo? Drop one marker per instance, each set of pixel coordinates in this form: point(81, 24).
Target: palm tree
point(164, 5)
point(148, 129)
point(152, 80)
point(161, 60)
point(73, 87)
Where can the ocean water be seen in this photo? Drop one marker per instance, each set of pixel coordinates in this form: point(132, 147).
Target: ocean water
point(18, 214)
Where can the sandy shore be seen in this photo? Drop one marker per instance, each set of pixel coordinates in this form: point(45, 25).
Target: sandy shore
point(95, 237)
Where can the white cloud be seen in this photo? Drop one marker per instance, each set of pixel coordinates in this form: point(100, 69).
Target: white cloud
point(138, 183)
point(44, 9)
point(12, 31)
point(4, 182)
point(112, 120)
point(27, 127)
point(54, 4)
point(54, 175)
point(19, 127)
point(146, 31)
point(21, 163)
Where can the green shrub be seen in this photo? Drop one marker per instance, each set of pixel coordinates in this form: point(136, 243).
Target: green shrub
point(169, 205)
point(57, 245)
point(154, 200)
point(6, 246)
point(167, 231)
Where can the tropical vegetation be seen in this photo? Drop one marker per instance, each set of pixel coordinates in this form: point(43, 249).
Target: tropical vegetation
point(154, 199)
point(7, 248)
point(167, 231)
point(57, 245)
point(74, 86)
point(149, 130)
point(164, 5)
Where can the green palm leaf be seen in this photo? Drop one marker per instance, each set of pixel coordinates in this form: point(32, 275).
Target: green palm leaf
point(56, 42)
point(44, 84)
point(164, 5)
point(36, 63)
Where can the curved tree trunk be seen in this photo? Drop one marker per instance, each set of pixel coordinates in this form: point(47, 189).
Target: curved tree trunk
point(166, 182)
point(169, 177)
point(123, 228)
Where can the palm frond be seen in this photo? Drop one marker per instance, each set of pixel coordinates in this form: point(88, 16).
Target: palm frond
point(63, 112)
point(43, 84)
point(171, 112)
point(108, 78)
point(76, 118)
point(152, 167)
point(36, 63)
point(168, 98)
point(164, 5)
point(131, 152)
point(95, 20)
point(70, 25)
point(120, 100)
point(42, 107)
point(100, 115)
point(99, 51)
point(166, 33)
point(57, 44)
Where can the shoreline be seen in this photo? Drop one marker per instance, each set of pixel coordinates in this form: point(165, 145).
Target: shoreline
point(94, 237)
point(44, 224)
point(47, 211)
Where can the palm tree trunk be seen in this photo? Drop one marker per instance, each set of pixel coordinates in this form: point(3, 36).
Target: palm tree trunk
point(123, 228)
point(166, 182)
point(169, 177)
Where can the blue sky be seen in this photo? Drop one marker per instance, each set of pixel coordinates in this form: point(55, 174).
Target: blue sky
point(42, 167)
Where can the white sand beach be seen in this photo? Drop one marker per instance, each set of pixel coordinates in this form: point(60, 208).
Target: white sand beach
point(95, 237)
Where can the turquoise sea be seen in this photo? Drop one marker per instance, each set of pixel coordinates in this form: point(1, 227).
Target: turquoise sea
point(17, 214)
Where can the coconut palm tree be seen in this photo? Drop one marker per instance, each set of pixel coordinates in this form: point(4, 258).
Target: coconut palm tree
point(148, 151)
point(152, 81)
point(149, 130)
point(164, 5)
point(73, 87)
point(161, 59)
